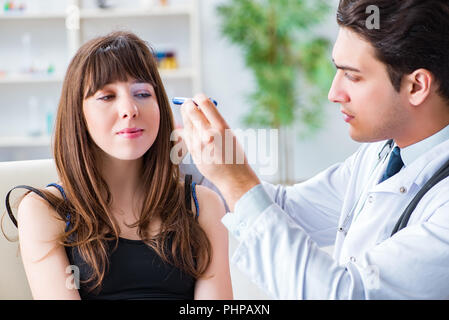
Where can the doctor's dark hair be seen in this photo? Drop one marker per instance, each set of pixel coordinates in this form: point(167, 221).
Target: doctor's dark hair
point(180, 241)
point(413, 34)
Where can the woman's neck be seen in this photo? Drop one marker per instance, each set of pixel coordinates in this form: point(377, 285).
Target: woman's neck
point(122, 178)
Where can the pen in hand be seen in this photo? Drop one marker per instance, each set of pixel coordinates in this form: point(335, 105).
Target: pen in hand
point(181, 100)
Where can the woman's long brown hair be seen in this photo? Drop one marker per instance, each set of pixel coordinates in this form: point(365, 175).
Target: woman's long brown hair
point(180, 240)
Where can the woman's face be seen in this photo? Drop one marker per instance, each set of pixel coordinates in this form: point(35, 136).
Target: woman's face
point(123, 118)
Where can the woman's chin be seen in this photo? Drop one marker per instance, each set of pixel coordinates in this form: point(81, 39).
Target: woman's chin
point(127, 155)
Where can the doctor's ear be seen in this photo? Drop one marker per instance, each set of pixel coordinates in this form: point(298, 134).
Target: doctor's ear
point(418, 86)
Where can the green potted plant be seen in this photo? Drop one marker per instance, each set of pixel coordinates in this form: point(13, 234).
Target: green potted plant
point(291, 65)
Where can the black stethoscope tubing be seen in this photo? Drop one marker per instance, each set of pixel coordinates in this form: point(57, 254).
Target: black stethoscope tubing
point(441, 174)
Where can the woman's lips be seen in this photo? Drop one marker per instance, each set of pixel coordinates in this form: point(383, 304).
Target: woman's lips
point(130, 133)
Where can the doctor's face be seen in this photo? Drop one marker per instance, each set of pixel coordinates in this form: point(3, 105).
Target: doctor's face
point(369, 103)
point(123, 118)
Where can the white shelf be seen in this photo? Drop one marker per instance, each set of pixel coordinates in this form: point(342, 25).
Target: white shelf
point(130, 13)
point(31, 16)
point(20, 79)
point(173, 10)
point(177, 73)
point(182, 73)
point(41, 141)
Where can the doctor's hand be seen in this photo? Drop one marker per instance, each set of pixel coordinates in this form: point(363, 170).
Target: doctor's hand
point(215, 149)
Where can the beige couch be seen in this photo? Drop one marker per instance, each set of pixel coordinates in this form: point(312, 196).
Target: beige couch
point(36, 173)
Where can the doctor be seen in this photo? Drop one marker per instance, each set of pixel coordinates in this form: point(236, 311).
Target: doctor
point(391, 83)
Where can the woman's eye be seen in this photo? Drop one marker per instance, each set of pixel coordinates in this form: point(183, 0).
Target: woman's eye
point(143, 95)
point(106, 98)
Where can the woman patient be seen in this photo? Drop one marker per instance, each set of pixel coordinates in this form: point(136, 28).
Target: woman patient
point(120, 217)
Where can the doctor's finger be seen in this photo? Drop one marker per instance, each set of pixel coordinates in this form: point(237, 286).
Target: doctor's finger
point(201, 126)
point(197, 118)
point(192, 137)
point(188, 130)
point(210, 112)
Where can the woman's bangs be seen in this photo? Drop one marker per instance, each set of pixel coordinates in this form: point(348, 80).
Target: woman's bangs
point(116, 62)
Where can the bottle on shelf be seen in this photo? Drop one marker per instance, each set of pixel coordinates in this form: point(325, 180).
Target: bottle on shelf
point(14, 7)
point(166, 59)
point(103, 4)
point(34, 116)
point(49, 116)
point(170, 61)
point(27, 60)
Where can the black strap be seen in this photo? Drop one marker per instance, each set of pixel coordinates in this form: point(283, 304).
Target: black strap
point(187, 191)
point(442, 173)
point(8, 207)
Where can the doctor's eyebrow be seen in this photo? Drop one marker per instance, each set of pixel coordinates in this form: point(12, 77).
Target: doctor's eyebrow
point(343, 67)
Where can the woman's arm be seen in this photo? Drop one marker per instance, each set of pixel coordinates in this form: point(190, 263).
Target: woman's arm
point(216, 282)
point(44, 260)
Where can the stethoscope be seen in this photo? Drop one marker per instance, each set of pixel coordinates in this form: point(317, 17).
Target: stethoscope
point(402, 222)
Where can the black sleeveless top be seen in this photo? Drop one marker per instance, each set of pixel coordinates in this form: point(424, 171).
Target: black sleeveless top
point(135, 270)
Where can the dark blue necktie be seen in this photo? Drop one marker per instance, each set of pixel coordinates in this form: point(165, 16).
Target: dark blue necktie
point(394, 164)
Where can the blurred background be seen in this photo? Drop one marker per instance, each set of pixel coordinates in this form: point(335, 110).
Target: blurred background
point(267, 63)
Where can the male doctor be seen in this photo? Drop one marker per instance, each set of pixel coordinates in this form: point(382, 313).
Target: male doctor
point(391, 83)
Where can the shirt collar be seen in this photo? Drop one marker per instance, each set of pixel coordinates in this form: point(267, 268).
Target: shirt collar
point(413, 152)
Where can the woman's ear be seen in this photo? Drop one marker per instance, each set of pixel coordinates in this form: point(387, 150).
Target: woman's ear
point(418, 86)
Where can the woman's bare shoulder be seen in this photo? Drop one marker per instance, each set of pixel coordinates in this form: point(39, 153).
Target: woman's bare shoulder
point(37, 219)
point(35, 202)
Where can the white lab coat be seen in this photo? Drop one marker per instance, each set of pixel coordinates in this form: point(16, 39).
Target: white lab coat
point(281, 230)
